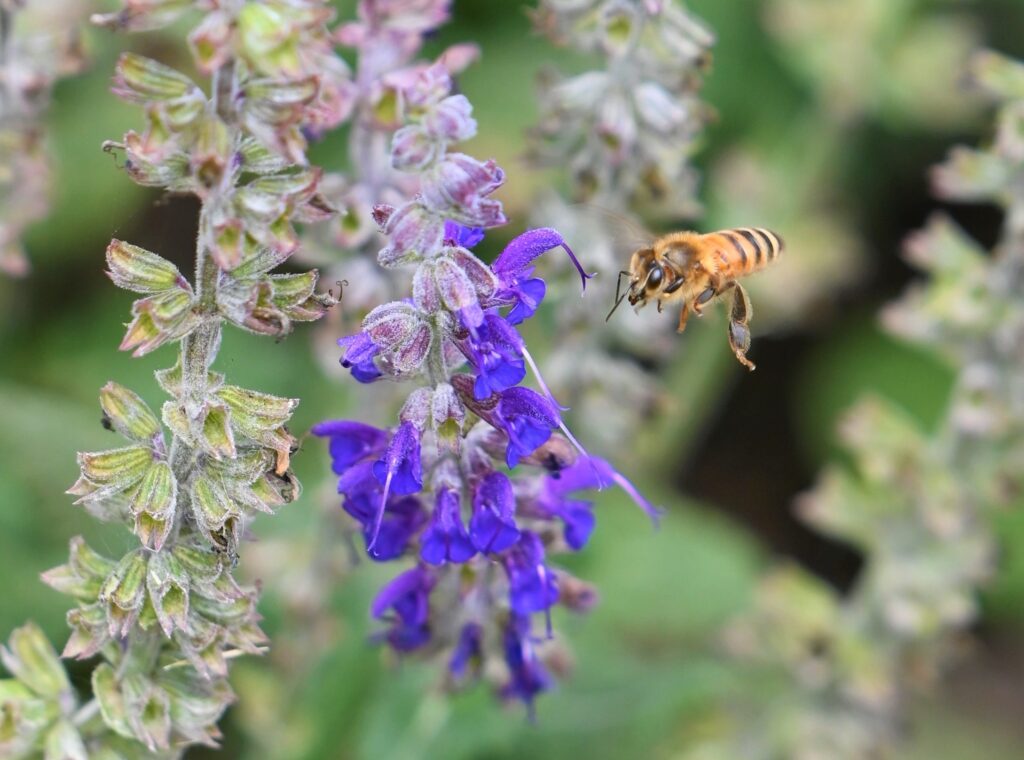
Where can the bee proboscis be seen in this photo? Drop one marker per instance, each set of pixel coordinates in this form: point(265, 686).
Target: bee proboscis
point(693, 268)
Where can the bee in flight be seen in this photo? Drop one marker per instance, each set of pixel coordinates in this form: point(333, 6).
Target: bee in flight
point(693, 268)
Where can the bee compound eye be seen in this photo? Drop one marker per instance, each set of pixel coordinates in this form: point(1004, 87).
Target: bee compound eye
point(655, 277)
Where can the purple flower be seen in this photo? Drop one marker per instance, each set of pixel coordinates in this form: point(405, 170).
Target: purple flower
point(403, 517)
point(350, 442)
point(358, 355)
point(527, 418)
point(555, 497)
point(514, 266)
point(528, 294)
point(493, 526)
point(496, 351)
point(532, 586)
point(399, 470)
point(469, 649)
point(446, 539)
point(408, 596)
point(527, 675)
point(456, 234)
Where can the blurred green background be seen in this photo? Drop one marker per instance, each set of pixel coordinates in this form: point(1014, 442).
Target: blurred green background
point(841, 125)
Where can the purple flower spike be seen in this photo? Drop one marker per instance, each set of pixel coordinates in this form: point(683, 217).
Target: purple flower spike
point(514, 263)
point(399, 470)
point(496, 351)
point(468, 650)
point(527, 675)
point(493, 526)
point(456, 234)
point(350, 442)
point(358, 354)
point(408, 596)
point(532, 586)
point(527, 419)
point(446, 539)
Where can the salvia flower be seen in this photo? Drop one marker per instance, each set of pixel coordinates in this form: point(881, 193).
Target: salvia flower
point(446, 539)
point(465, 484)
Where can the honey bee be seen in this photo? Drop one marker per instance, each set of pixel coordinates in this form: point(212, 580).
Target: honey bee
point(694, 268)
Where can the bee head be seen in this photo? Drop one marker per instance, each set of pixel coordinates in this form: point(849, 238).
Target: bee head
point(646, 286)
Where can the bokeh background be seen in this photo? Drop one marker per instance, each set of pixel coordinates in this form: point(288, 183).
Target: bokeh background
point(829, 114)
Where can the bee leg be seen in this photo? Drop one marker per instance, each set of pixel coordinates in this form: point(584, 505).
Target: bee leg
point(739, 331)
point(659, 307)
point(682, 318)
point(703, 298)
point(713, 289)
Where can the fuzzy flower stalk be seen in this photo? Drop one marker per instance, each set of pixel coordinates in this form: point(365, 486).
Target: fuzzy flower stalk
point(921, 507)
point(385, 39)
point(39, 44)
point(479, 483)
point(624, 133)
point(166, 618)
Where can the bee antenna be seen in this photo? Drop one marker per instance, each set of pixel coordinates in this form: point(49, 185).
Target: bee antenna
point(618, 298)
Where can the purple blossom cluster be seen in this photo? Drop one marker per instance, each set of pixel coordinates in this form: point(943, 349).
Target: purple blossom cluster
point(480, 482)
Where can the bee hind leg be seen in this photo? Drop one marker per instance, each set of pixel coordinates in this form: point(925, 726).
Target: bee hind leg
point(739, 330)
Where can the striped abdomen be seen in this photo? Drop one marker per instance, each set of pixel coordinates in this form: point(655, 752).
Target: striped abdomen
point(745, 249)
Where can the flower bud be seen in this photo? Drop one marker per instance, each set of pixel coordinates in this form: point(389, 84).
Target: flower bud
point(417, 408)
point(128, 413)
point(214, 433)
point(457, 187)
point(451, 120)
point(430, 86)
point(414, 232)
point(153, 505)
point(124, 593)
point(83, 575)
point(211, 152)
point(168, 584)
point(261, 418)
point(140, 79)
point(412, 149)
point(210, 42)
point(392, 324)
point(30, 658)
point(88, 631)
point(134, 268)
point(158, 319)
point(424, 288)
point(448, 416)
point(211, 506)
point(267, 41)
point(457, 291)
point(107, 473)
